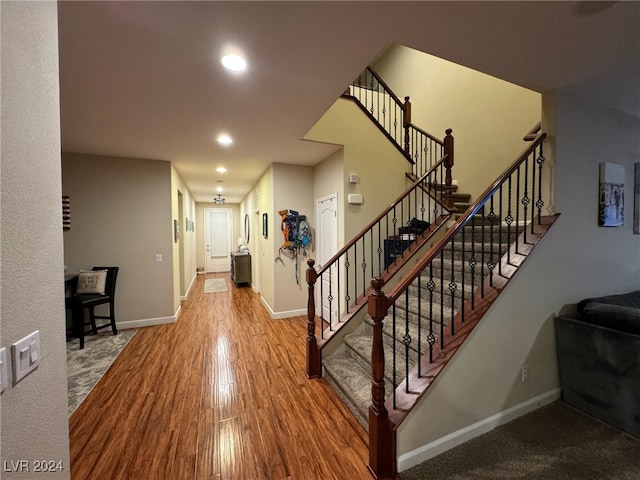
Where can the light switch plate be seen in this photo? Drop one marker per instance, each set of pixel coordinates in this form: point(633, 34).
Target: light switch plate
point(25, 356)
point(4, 381)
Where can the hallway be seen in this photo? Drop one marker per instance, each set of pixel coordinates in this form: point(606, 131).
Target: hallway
point(221, 394)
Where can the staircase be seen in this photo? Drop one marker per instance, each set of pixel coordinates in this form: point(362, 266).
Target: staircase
point(383, 361)
point(349, 370)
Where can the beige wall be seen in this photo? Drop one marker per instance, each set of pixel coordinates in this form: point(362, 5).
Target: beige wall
point(121, 214)
point(367, 153)
point(576, 259)
point(184, 251)
point(33, 413)
point(293, 190)
point(488, 116)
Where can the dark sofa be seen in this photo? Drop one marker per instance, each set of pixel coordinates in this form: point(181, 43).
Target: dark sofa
point(598, 348)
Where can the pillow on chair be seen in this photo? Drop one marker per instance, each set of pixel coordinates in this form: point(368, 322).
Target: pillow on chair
point(91, 281)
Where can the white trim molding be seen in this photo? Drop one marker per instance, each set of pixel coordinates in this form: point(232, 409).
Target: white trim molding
point(430, 450)
point(149, 322)
point(285, 314)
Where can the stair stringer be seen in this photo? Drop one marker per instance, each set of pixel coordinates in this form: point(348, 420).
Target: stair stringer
point(479, 385)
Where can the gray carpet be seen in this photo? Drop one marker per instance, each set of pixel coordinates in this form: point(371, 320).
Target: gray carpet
point(554, 442)
point(85, 367)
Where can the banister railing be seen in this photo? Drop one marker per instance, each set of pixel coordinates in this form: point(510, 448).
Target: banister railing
point(393, 117)
point(447, 287)
point(400, 229)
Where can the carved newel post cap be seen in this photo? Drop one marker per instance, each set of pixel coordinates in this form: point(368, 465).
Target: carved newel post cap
point(448, 131)
point(311, 262)
point(377, 283)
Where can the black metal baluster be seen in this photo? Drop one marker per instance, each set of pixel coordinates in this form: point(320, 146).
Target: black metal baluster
point(509, 220)
point(442, 298)
point(393, 342)
point(419, 325)
point(491, 264)
point(500, 230)
point(406, 341)
point(431, 285)
point(462, 262)
point(452, 285)
point(517, 208)
point(355, 274)
point(482, 235)
point(525, 198)
point(472, 260)
point(540, 202)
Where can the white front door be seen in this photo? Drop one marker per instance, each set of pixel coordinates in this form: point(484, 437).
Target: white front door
point(218, 239)
point(327, 247)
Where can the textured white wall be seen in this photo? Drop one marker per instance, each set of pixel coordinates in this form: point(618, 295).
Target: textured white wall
point(34, 421)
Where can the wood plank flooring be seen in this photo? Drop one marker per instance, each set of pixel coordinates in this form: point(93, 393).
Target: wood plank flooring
point(220, 395)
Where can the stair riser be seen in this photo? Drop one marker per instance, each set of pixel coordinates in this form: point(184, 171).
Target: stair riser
point(458, 267)
point(458, 275)
point(441, 297)
point(400, 332)
point(363, 360)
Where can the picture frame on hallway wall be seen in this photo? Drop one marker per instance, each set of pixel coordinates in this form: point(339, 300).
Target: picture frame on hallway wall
point(265, 225)
point(636, 198)
point(611, 195)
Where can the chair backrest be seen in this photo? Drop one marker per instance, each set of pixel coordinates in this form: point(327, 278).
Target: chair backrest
point(110, 283)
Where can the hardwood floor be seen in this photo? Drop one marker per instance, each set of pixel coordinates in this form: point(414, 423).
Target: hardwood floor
point(221, 394)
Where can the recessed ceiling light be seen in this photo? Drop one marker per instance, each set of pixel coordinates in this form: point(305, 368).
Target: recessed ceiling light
point(224, 139)
point(234, 62)
point(219, 189)
point(221, 170)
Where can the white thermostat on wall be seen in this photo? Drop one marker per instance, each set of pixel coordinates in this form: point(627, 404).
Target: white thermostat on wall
point(355, 199)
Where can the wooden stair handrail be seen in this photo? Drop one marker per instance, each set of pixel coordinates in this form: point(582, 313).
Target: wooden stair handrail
point(384, 84)
point(379, 217)
point(531, 134)
point(462, 221)
point(426, 134)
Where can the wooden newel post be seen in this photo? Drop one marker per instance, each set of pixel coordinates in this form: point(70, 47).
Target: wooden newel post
point(313, 355)
point(406, 121)
point(382, 441)
point(448, 165)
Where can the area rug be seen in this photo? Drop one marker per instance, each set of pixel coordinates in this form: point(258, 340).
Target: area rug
point(215, 285)
point(85, 367)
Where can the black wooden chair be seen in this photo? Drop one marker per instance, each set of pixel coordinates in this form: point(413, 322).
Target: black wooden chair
point(79, 302)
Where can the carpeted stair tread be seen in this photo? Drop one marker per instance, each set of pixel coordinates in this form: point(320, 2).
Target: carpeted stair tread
point(401, 330)
point(351, 381)
point(359, 346)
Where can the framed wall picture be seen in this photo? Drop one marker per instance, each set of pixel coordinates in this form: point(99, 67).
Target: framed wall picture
point(611, 200)
point(265, 225)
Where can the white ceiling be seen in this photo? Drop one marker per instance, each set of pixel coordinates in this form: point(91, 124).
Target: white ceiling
point(144, 80)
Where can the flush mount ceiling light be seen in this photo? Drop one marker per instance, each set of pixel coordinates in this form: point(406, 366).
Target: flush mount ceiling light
point(225, 139)
point(219, 200)
point(221, 170)
point(234, 62)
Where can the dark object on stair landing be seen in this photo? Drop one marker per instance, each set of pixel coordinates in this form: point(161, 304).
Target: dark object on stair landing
point(414, 226)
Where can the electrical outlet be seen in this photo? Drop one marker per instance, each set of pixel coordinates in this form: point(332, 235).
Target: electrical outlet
point(525, 372)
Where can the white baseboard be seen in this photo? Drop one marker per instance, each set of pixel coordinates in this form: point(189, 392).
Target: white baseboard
point(430, 450)
point(148, 322)
point(193, 280)
point(285, 314)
